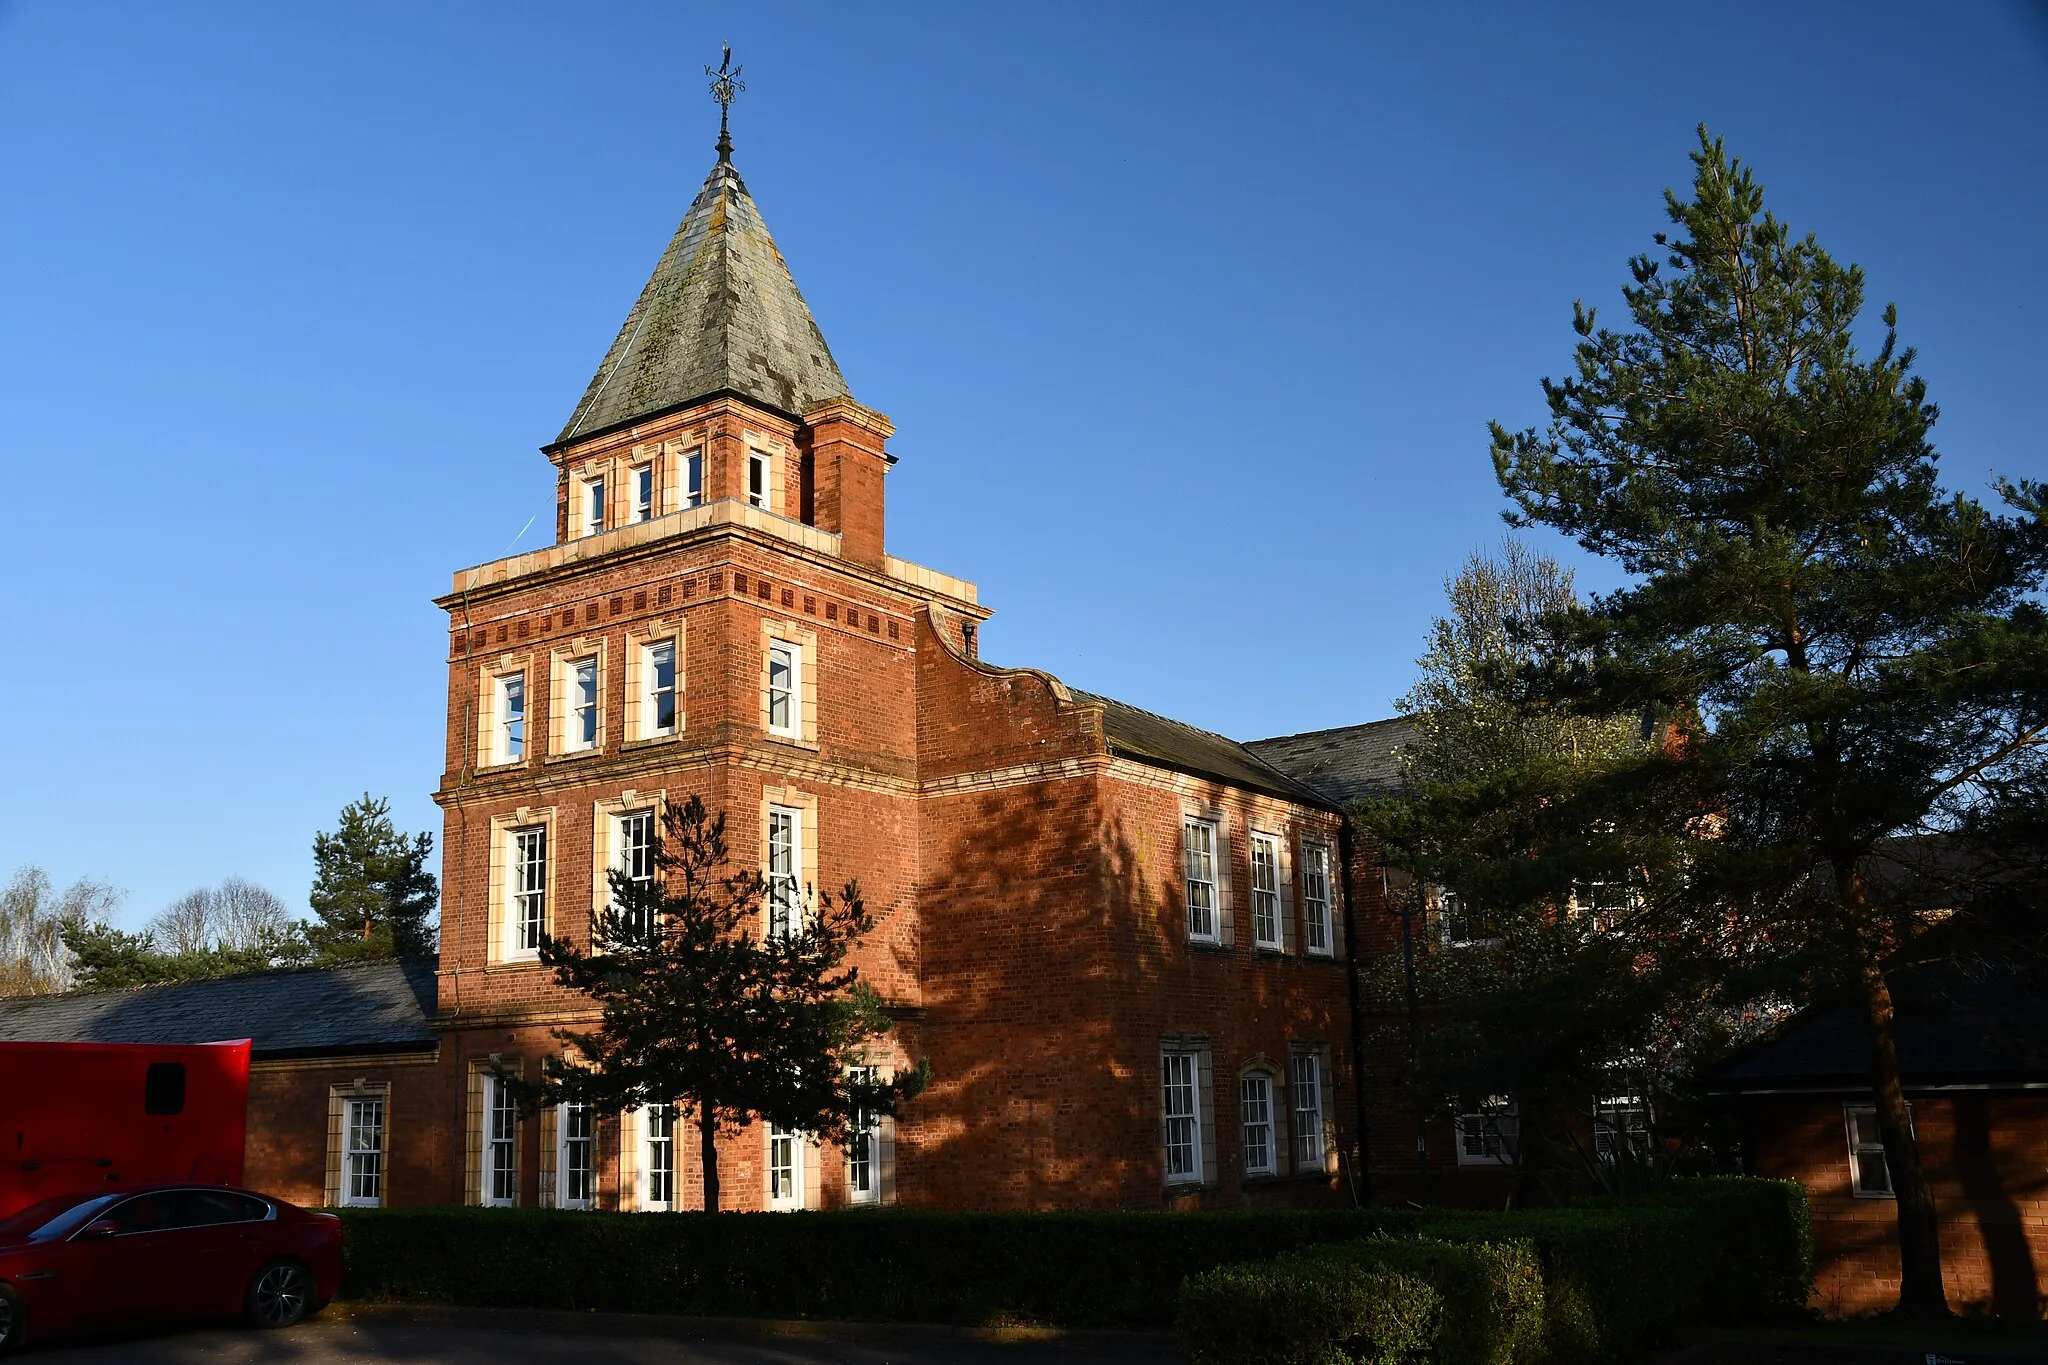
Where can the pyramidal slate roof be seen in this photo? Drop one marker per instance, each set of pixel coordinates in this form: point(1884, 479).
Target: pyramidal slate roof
point(1343, 764)
point(384, 1006)
point(720, 315)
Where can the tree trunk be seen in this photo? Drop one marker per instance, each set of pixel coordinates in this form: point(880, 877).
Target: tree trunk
point(1920, 1289)
point(707, 1145)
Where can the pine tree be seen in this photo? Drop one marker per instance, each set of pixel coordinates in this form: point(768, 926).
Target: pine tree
point(1864, 650)
point(703, 1003)
point(1499, 842)
point(371, 889)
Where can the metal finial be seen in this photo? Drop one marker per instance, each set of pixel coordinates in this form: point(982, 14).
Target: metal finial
point(725, 88)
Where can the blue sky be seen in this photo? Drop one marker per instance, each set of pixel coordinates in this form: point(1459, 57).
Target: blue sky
point(1190, 316)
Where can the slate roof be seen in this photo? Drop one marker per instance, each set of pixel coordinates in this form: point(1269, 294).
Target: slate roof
point(1961, 1027)
point(721, 314)
point(1342, 764)
point(1143, 737)
point(364, 1007)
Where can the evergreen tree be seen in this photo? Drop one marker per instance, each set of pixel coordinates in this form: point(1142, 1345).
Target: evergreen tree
point(1518, 877)
point(106, 958)
point(703, 1003)
point(371, 889)
point(1864, 652)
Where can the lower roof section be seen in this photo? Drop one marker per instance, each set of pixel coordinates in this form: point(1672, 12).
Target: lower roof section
point(383, 1006)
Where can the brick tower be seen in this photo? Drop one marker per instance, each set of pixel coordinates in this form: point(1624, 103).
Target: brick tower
point(1119, 939)
point(717, 617)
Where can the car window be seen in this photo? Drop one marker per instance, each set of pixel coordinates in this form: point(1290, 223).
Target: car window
point(53, 1217)
point(206, 1208)
point(144, 1213)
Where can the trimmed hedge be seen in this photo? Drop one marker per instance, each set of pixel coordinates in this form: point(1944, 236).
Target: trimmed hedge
point(1061, 1269)
point(1492, 1293)
point(1307, 1312)
point(1761, 1232)
point(1616, 1281)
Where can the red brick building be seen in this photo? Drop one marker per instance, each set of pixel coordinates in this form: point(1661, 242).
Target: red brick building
point(1974, 1050)
point(1119, 940)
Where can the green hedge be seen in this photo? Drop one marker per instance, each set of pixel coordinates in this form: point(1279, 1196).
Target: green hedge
point(1616, 1281)
point(1492, 1293)
point(1062, 1269)
point(1761, 1232)
point(1307, 1312)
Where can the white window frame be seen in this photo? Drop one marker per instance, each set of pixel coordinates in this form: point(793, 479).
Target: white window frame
point(693, 479)
point(1180, 1104)
point(785, 1167)
point(1864, 1155)
point(498, 1173)
point(760, 462)
point(363, 1168)
point(1318, 925)
point(1255, 1120)
point(1592, 901)
point(640, 483)
point(864, 1148)
point(655, 1143)
point(782, 863)
point(791, 695)
point(526, 890)
point(627, 851)
point(509, 730)
point(1268, 928)
point(1490, 1133)
point(1200, 837)
point(581, 713)
point(1620, 1120)
point(1451, 914)
point(591, 513)
point(567, 1145)
point(651, 691)
point(1306, 1104)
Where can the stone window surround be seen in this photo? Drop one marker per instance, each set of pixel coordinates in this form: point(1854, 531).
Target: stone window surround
point(616, 469)
point(806, 805)
point(1198, 1047)
point(1320, 1054)
point(487, 678)
point(498, 951)
point(776, 453)
point(560, 657)
point(1283, 878)
point(603, 812)
point(474, 1173)
point(1226, 908)
point(883, 1156)
point(1277, 1136)
point(1332, 898)
point(807, 1170)
point(805, 639)
point(639, 639)
point(338, 1097)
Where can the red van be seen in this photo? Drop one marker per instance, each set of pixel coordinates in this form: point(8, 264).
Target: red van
point(85, 1116)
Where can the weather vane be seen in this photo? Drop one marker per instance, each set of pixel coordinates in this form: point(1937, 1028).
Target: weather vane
point(725, 88)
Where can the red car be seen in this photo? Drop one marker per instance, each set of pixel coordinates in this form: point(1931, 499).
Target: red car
point(155, 1253)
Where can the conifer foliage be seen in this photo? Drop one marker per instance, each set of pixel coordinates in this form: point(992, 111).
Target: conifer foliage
point(705, 1005)
point(372, 893)
point(1863, 653)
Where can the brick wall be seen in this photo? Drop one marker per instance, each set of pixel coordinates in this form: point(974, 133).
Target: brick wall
point(1986, 1157)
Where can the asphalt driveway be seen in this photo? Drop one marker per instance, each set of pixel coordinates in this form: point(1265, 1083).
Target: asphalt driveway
point(430, 1336)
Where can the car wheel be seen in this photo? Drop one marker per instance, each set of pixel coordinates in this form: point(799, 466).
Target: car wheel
point(280, 1295)
point(13, 1321)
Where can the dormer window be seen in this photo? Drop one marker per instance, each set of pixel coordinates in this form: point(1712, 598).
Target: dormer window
point(593, 506)
point(643, 492)
point(693, 479)
point(757, 480)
